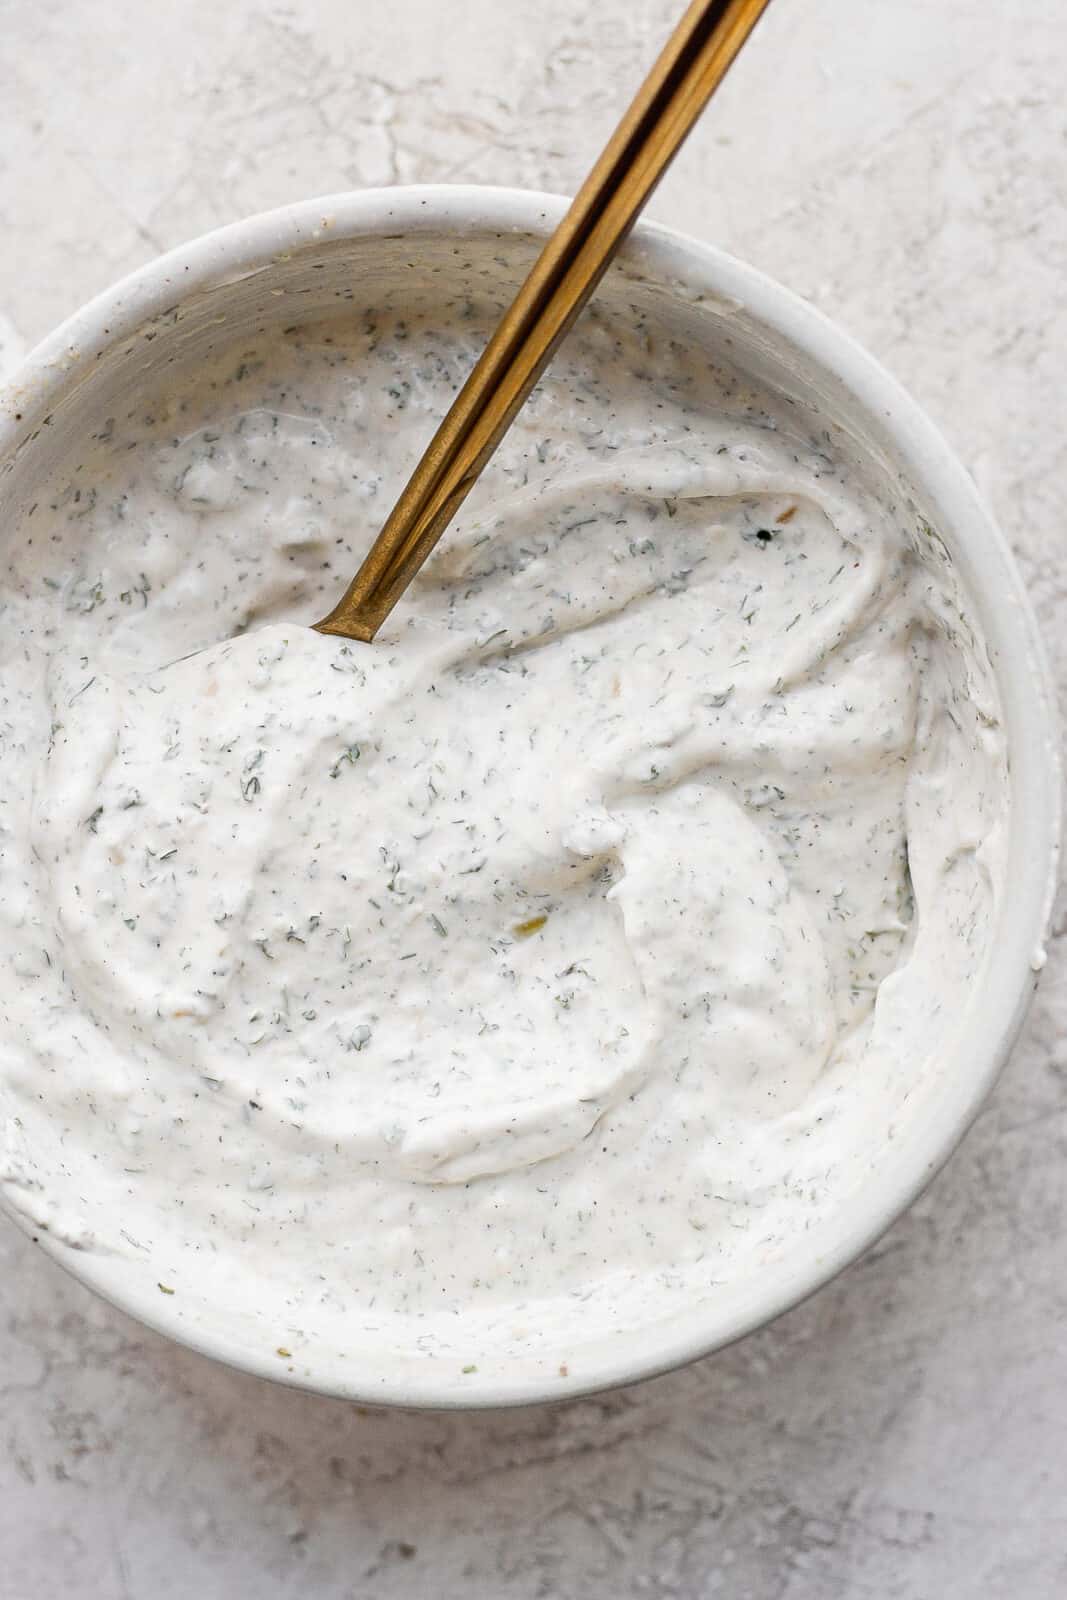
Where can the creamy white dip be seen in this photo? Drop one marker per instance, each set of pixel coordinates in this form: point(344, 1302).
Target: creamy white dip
point(548, 963)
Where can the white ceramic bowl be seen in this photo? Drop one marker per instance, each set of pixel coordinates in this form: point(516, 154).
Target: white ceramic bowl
point(325, 253)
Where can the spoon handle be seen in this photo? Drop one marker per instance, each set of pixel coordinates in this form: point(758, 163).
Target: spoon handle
point(565, 274)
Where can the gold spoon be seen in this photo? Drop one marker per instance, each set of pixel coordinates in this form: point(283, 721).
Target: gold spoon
point(692, 65)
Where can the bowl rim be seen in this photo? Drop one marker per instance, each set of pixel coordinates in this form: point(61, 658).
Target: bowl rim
point(672, 259)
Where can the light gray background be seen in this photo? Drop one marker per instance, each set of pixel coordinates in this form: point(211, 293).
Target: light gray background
point(904, 165)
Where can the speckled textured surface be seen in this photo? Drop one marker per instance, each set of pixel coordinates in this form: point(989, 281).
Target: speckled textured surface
point(898, 1436)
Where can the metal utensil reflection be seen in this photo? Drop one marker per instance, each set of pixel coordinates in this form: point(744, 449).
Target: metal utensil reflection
point(691, 66)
